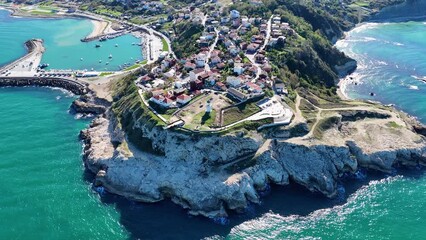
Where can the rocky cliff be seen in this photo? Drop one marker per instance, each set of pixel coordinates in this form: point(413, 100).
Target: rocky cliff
point(210, 174)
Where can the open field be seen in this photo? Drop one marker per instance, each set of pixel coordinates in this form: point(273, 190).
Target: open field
point(239, 112)
point(194, 114)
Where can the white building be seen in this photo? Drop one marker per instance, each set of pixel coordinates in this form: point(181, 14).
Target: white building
point(200, 60)
point(233, 81)
point(235, 14)
point(239, 68)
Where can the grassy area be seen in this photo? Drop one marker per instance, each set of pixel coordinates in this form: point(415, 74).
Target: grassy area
point(393, 124)
point(108, 12)
point(309, 112)
point(325, 124)
point(237, 113)
point(136, 65)
point(103, 74)
point(204, 118)
point(41, 12)
point(165, 45)
point(133, 67)
point(164, 112)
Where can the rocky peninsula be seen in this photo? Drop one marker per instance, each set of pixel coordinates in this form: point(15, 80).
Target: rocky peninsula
point(134, 155)
point(211, 174)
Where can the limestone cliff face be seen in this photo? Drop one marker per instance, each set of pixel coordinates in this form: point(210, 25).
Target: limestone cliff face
point(209, 174)
point(190, 172)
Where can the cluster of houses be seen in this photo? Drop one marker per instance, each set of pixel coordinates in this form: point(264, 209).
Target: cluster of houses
point(224, 67)
point(279, 30)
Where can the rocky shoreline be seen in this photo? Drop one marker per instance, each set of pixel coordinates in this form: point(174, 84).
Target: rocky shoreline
point(211, 175)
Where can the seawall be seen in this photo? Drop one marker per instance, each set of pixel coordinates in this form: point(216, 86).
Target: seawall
point(68, 84)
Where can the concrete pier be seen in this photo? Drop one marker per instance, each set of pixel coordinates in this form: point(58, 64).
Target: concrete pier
point(27, 65)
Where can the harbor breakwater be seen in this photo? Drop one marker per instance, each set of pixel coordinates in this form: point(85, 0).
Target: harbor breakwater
point(67, 84)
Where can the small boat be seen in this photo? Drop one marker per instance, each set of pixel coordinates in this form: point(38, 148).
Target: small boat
point(97, 46)
point(81, 59)
point(91, 69)
point(106, 63)
point(133, 43)
point(423, 79)
point(100, 61)
point(116, 45)
point(110, 56)
point(44, 65)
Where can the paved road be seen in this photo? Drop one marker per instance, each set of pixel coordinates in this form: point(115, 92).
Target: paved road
point(212, 47)
point(251, 57)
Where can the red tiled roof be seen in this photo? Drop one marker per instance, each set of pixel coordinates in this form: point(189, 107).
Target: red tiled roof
point(183, 97)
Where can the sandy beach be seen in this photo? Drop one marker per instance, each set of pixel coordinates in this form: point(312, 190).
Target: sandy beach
point(99, 28)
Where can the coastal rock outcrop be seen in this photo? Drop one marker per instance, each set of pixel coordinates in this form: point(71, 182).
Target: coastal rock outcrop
point(89, 104)
point(210, 174)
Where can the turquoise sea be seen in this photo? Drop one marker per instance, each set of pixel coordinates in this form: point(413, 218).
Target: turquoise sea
point(64, 49)
point(391, 60)
point(45, 193)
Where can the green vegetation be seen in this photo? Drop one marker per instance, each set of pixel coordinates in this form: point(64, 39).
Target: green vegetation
point(393, 124)
point(205, 119)
point(240, 112)
point(325, 124)
point(309, 112)
point(128, 105)
point(133, 67)
point(165, 45)
point(137, 65)
point(41, 12)
point(185, 43)
point(108, 12)
point(307, 59)
point(164, 112)
point(103, 74)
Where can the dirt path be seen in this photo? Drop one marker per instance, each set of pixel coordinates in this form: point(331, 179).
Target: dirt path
point(298, 117)
point(393, 116)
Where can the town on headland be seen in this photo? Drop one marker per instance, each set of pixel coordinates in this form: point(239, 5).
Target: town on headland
point(230, 97)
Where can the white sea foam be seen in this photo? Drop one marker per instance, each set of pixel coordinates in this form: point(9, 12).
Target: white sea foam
point(272, 225)
point(413, 87)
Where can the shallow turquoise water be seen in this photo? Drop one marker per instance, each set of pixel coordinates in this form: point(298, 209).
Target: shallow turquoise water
point(390, 57)
point(43, 193)
point(64, 49)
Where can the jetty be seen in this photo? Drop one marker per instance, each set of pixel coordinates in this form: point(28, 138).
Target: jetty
point(28, 64)
point(104, 37)
point(65, 83)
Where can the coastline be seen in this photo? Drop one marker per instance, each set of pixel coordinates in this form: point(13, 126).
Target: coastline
point(100, 27)
point(247, 178)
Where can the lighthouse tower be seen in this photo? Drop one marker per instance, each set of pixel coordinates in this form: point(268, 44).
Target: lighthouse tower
point(208, 107)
